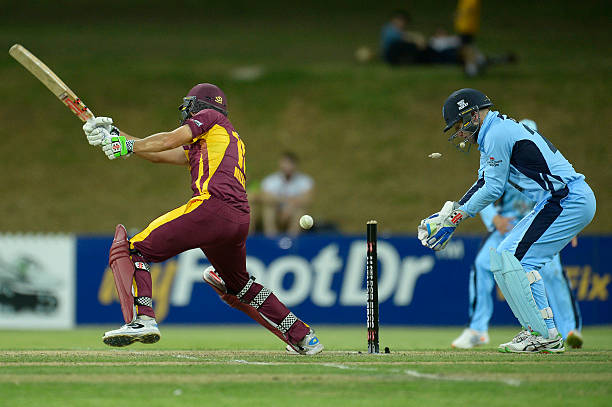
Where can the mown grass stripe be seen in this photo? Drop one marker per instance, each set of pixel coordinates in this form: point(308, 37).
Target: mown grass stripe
point(225, 362)
point(368, 375)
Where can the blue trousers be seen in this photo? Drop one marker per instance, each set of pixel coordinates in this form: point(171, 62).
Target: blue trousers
point(481, 285)
point(547, 229)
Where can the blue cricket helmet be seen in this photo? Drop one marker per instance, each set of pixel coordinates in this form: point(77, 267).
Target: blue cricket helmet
point(462, 102)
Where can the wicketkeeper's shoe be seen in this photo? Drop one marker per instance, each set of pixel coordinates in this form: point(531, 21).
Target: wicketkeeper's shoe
point(470, 338)
point(518, 338)
point(142, 329)
point(310, 345)
point(574, 339)
point(535, 343)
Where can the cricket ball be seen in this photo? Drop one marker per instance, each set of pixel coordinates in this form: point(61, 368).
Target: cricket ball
point(306, 222)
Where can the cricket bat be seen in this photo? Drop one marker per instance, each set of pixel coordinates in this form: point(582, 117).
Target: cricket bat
point(51, 81)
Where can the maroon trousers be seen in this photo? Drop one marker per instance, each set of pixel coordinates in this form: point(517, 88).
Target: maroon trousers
point(220, 231)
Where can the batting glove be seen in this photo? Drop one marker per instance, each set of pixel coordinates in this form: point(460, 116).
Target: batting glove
point(91, 125)
point(436, 231)
point(114, 145)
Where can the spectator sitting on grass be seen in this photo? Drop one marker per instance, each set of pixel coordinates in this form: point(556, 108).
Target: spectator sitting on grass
point(402, 47)
point(286, 196)
point(399, 46)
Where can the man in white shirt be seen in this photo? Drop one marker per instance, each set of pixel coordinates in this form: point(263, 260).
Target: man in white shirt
point(286, 196)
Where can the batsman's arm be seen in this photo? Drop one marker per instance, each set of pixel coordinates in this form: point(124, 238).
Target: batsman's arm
point(165, 147)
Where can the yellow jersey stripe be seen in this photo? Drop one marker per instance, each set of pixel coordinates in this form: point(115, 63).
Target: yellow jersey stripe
point(135, 292)
point(200, 172)
point(168, 217)
point(217, 142)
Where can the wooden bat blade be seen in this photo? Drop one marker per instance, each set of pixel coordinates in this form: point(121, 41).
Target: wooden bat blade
point(44, 74)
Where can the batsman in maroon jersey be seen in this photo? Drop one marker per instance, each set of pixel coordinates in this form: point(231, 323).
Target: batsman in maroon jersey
point(215, 219)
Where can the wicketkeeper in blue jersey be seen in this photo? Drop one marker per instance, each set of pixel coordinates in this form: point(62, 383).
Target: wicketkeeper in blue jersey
point(499, 219)
point(513, 154)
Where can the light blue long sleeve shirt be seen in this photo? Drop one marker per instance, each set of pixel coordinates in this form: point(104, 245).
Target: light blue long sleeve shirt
point(511, 153)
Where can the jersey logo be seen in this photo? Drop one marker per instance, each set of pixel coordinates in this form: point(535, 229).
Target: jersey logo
point(219, 99)
point(462, 105)
point(199, 123)
point(493, 162)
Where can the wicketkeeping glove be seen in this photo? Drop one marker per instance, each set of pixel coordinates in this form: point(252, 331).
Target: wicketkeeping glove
point(435, 231)
point(99, 122)
point(114, 145)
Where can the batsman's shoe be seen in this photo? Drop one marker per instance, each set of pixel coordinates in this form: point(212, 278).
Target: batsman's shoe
point(536, 343)
point(470, 338)
point(210, 276)
point(310, 345)
point(142, 329)
point(574, 339)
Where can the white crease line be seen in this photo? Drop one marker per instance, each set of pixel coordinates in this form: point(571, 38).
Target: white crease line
point(416, 374)
point(412, 373)
point(246, 362)
point(347, 367)
point(430, 376)
point(179, 356)
point(335, 365)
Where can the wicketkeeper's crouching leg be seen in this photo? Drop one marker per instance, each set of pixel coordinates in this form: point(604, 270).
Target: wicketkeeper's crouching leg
point(265, 308)
point(135, 289)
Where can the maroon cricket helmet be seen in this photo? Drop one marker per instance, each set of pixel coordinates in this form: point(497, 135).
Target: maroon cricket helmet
point(211, 94)
point(203, 96)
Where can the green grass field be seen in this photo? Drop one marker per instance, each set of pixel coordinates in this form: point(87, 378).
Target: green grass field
point(363, 131)
point(246, 366)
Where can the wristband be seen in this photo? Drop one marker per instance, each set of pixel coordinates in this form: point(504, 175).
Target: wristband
point(129, 145)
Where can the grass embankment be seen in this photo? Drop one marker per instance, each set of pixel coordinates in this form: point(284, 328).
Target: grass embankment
point(363, 131)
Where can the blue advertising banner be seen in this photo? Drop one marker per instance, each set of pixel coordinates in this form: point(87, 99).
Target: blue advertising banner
point(322, 279)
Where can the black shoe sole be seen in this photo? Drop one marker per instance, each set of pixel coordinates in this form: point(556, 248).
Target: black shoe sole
point(119, 341)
